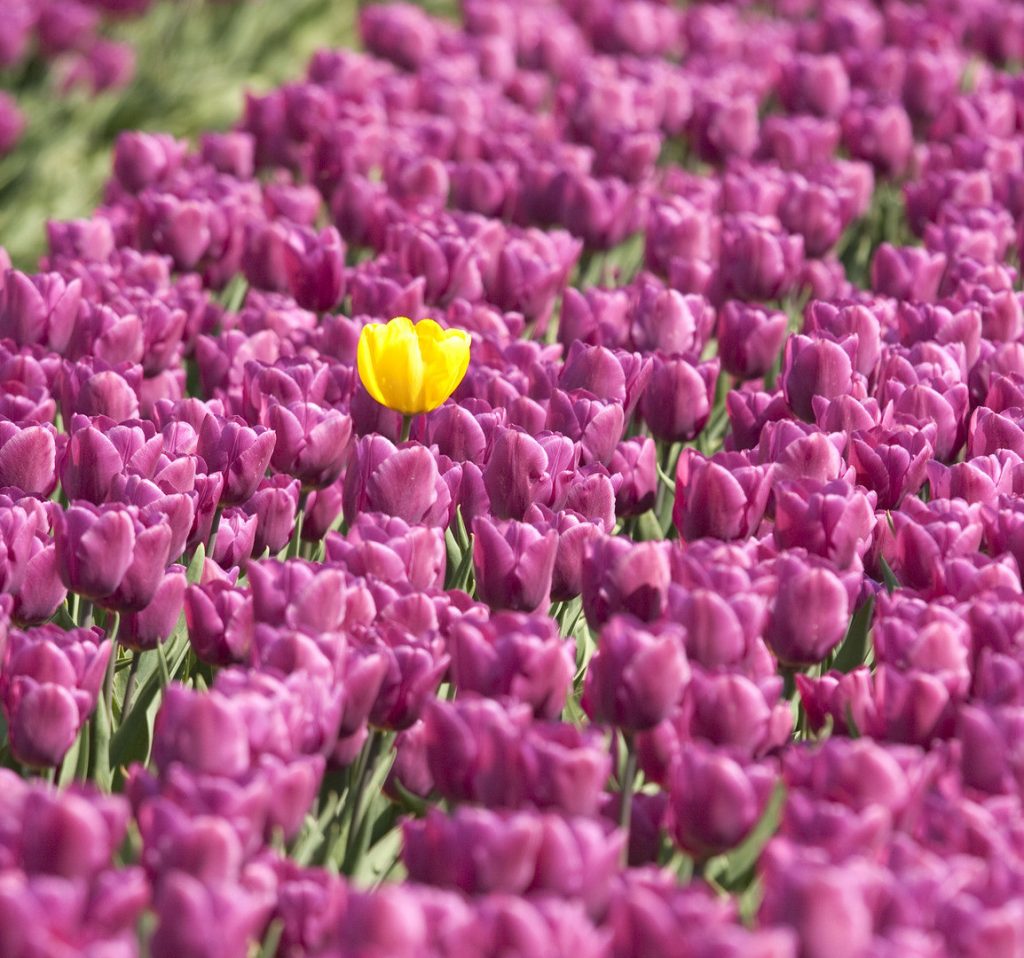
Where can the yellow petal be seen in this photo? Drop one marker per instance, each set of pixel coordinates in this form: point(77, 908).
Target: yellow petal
point(412, 368)
point(367, 354)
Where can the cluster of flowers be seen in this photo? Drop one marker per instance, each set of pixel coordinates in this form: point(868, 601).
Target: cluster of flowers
point(259, 576)
point(67, 33)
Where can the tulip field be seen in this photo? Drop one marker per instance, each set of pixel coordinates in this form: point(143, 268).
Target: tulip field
point(511, 479)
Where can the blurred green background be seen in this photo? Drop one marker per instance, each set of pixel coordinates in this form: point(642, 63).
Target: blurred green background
point(195, 60)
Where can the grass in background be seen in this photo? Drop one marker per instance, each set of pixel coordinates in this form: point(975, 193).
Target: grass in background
point(195, 60)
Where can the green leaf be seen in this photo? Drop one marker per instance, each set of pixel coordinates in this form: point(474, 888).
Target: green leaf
point(134, 736)
point(854, 650)
point(888, 576)
point(740, 862)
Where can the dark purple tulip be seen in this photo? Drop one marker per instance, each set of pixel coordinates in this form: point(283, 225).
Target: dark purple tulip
point(595, 424)
point(219, 619)
point(241, 453)
point(27, 458)
point(236, 538)
point(49, 685)
point(883, 135)
point(749, 339)
point(833, 520)
point(513, 563)
point(595, 369)
point(634, 464)
point(714, 801)
point(800, 451)
point(734, 712)
point(404, 483)
point(892, 464)
point(205, 732)
point(759, 260)
point(810, 614)
point(456, 432)
point(677, 402)
point(312, 442)
point(815, 367)
point(95, 548)
point(829, 906)
point(514, 655)
point(908, 273)
point(575, 534)
point(391, 550)
point(95, 388)
point(206, 920)
point(667, 322)
point(991, 432)
point(41, 592)
point(274, 505)
point(637, 676)
point(152, 625)
point(298, 594)
point(980, 479)
point(514, 473)
point(476, 850)
point(39, 309)
point(623, 576)
point(71, 836)
point(815, 83)
point(723, 497)
point(141, 159)
point(315, 267)
point(749, 410)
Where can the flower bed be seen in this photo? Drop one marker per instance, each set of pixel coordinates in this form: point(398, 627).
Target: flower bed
point(688, 625)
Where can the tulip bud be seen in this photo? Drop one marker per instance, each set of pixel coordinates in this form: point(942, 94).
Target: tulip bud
point(513, 563)
point(723, 497)
point(623, 576)
point(636, 677)
point(810, 615)
point(714, 802)
point(749, 339)
point(677, 402)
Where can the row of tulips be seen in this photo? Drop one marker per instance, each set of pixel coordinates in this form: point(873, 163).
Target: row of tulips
point(650, 586)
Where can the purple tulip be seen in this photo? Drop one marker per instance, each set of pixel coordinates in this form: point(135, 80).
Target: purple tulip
point(636, 676)
point(404, 483)
point(627, 577)
point(677, 402)
point(810, 615)
point(239, 452)
point(155, 623)
point(634, 463)
point(274, 504)
point(513, 563)
point(514, 655)
point(714, 801)
point(48, 687)
point(514, 474)
point(219, 619)
point(749, 339)
point(39, 309)
point(723, 497)
point(815, 367)
point(832, 520)
point(759, 260)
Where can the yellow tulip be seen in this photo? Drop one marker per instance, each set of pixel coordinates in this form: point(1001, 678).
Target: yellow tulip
point(411, 368)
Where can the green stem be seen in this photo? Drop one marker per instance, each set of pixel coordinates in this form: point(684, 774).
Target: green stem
point(406, 428)
point(214, 526)
point(130, 684)
point(296, 544)
point(626, 795)
point(113, 623)
point(358, 831)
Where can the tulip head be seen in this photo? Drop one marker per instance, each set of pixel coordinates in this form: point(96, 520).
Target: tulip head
point(409, 367)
